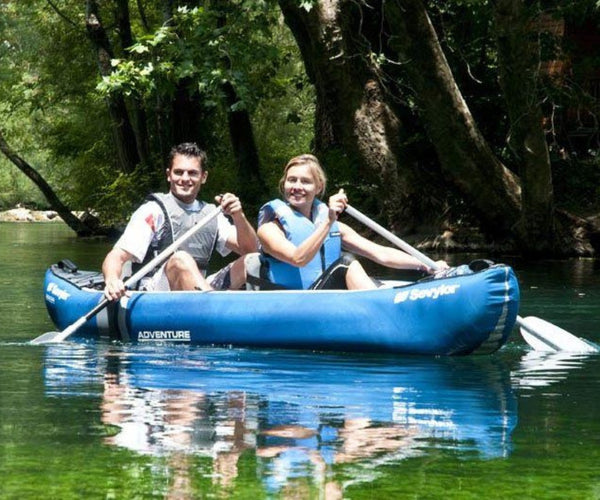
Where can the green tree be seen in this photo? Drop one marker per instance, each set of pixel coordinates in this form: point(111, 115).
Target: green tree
point(116, 88)
point(427, 112)
point(379, 67)
point(49, 106)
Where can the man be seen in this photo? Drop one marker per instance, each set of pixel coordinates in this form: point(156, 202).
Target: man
point(165, 217)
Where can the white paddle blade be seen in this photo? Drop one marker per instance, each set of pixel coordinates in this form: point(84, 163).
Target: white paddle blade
point(544, 336)
point(46, 338)
point(54, 337)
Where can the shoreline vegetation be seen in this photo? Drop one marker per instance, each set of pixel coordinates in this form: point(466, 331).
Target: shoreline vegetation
point(459, 239)
point(448, 241)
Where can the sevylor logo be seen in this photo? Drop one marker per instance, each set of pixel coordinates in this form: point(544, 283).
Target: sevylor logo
point(58, 292)
point(425, 293)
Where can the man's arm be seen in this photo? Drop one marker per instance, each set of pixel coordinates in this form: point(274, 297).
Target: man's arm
point(112, 268)
point(244, 239)
point(132, 246)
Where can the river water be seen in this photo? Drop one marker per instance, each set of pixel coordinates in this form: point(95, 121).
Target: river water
point(107, 420)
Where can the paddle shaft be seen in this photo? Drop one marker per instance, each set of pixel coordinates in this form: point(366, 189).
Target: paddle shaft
point(544, 333)
point(398, 242)
point(391, 237)
point(159, 259)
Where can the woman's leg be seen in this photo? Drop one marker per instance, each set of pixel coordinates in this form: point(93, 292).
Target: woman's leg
point(357, 278)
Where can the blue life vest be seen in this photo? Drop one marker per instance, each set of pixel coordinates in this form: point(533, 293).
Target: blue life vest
point(297, 228)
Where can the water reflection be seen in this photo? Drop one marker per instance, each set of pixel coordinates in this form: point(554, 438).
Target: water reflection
point(297, 416)
point(542, 368)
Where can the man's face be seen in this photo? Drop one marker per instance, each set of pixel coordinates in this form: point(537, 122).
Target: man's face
point(186, 177)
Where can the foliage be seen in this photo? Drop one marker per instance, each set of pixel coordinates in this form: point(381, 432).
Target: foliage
point(205, 47)
point(49, 107)
point(53, 101)
point(55, 109)
point(201, 49)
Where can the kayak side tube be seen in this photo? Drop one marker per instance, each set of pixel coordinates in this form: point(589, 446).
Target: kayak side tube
point(460, 315)
point(457, 315)
point(70, 295)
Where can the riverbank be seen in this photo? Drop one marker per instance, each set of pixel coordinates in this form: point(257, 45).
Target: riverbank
point(458, 240)
point(21, 214)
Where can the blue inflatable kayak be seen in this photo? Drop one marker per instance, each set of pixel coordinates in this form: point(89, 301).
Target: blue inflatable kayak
point(459, 313)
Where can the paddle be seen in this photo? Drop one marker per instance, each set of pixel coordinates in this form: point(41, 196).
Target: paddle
point(538, 333)
point(53, 337)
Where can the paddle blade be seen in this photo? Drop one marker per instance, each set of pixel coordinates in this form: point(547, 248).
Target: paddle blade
point(544, 336)
point(46, 338)
point(53, 337)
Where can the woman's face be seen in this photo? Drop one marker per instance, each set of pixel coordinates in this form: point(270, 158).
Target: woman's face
point(300, 188)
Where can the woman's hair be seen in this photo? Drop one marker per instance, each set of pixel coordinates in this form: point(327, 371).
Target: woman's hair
point(315, 168)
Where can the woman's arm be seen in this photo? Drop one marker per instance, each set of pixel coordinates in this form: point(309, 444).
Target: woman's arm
point(385, 256)
point(274, 242)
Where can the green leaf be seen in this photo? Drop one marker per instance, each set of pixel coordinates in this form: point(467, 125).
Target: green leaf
point(139, 48)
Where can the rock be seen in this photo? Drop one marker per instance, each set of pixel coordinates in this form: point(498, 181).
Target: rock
point(18, 215)
point(21, 214)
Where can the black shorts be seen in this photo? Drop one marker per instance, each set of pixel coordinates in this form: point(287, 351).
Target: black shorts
point(334, 277)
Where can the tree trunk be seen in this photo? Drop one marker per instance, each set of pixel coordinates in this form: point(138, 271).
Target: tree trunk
point(241, 134)
point(139, 125)
point(353, 117)
point(65, 213)
point(462, 150)
point(519, 67)
point(123, 134)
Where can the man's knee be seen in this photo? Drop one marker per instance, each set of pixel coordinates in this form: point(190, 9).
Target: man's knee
point(242, 267)
point(180, 261)
point(238, 272)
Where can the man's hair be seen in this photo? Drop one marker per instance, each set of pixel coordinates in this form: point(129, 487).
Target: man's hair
point(189, 149)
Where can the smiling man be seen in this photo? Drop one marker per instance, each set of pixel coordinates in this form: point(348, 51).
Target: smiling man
point(165, 217)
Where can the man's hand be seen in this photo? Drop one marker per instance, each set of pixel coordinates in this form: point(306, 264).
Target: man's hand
point(230, 204)
point(114, 289)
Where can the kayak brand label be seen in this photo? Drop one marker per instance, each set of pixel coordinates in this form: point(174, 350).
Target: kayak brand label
point(56, 292)
point(168, 335)
point(425, 293)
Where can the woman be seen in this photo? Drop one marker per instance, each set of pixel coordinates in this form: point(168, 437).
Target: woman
point(302, 240)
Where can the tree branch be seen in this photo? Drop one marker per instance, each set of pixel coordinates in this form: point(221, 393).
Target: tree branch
point(71, 220)
point(63, 16)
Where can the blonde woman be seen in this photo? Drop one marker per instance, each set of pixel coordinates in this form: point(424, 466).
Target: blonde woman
point(302, 239)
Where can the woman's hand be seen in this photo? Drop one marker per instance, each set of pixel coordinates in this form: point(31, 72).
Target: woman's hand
point(337, 204)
